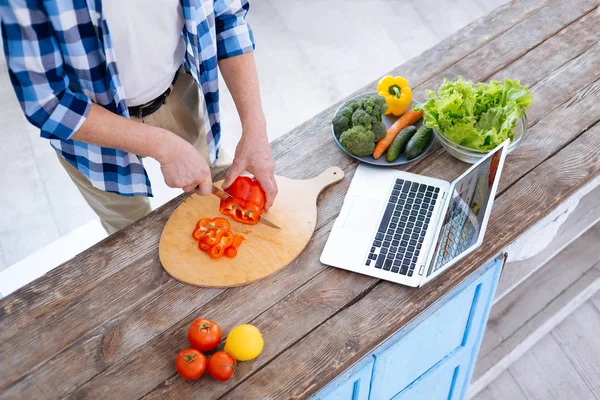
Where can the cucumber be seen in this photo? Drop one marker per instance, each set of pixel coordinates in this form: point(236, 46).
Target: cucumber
point(417, 144)
point(399, 143)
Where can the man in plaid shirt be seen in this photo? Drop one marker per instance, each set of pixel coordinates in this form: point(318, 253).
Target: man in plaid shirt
point(109, 82)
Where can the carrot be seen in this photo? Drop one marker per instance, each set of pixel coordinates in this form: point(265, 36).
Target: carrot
point(407, 119)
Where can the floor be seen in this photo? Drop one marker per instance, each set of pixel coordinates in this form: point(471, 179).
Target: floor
point(308, 57)
point(564, 365)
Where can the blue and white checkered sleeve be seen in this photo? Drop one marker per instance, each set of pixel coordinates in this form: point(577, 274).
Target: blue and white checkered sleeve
point(234, 34)
point(35, 67)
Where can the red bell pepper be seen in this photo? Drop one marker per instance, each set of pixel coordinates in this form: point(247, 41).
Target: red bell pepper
point(215, 237)
point(231, 252)
point(205, 247)
point(224, 243)
point(247, 203)
point(237, 240)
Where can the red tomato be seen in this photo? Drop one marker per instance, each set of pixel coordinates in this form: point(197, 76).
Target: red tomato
point(204, 335)
point(190, 364)
point(221, 366)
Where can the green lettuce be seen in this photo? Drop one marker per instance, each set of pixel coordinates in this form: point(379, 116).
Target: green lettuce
point(480, 116)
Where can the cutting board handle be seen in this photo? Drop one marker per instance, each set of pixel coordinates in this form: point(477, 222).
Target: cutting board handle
point(327, 178)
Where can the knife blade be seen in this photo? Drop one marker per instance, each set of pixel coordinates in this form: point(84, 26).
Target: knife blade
point(223, 195)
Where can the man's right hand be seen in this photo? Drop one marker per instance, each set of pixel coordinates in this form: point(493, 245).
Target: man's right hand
point(184, 167)
point(181, 164)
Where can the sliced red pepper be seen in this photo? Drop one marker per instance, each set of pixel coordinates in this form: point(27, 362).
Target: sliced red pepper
point(212, 237)
point(231, 252)
point(210, 230)
point(204, 246)
point(248, 201)
point(197, 234)
point(237, 240)
point(218, 249)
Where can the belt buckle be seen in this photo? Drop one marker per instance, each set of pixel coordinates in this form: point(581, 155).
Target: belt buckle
point(153, 103)
point(140, 112)
point(141, 108)
point(166, 95)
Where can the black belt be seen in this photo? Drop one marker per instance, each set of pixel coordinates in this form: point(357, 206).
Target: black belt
point(152, 106)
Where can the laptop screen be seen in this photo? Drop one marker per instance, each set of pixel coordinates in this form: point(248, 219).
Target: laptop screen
point(465, 218)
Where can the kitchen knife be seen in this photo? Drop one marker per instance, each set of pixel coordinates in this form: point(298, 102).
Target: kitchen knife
point(223, 195)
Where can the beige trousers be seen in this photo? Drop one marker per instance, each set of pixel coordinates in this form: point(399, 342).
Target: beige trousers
point(182, 114)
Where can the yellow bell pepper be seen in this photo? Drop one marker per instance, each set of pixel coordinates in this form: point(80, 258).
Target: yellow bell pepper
point(396, 92)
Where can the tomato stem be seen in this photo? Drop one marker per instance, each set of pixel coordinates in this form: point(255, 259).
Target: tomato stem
point(189, 358)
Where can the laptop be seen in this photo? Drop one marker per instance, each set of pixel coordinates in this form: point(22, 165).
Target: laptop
point(408, 228)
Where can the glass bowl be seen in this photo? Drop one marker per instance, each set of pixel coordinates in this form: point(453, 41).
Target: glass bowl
point(470, 155)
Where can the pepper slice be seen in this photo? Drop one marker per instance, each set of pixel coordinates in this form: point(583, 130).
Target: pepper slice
point(237, 240)
point(210, 230)
point(204, 246)
point(247, 203)
point(396, 92)
point(231, 252)
point(218, 249)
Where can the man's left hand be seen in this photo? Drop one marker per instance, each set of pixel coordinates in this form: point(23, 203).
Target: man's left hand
point(253, 154)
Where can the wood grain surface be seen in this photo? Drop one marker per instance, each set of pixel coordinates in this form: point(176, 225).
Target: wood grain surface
point(113, 318)
point(264, 251)
point(349, 334)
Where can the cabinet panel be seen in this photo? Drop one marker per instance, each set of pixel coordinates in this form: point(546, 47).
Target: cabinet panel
point(430, 358)
point(438, 384)
point(454, 328)
point(422, 348)
point(353, 384)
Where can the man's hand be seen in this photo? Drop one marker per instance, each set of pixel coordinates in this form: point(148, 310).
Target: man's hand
point(181, 164)
point(253, 154)
point(184, 167)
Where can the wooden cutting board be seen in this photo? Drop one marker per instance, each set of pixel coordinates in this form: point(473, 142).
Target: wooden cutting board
point(264, 251)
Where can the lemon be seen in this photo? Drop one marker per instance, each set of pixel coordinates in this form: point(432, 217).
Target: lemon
point(244, 342)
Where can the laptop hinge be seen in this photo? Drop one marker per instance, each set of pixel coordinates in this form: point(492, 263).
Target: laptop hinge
point(421, 270)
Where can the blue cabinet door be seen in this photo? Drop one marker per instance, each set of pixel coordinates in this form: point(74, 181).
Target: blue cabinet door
point(353, 384)
point(432, 358)
point(437, 384)
point(436, 357)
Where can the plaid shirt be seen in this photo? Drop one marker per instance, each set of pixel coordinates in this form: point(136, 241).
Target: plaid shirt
point(60, 59)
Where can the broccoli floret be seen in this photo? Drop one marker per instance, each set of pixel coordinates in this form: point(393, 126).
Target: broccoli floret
point(349, 108)
point(358, 140)
point(341, 123)
point(361, 117)
point(346, 111)
point(379, 130)
point(353, 104)
point(374, 106)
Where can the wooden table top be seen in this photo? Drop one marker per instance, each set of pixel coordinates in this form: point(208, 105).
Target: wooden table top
point(108, 323)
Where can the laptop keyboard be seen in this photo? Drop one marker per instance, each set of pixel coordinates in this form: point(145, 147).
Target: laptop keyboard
point(400, 234)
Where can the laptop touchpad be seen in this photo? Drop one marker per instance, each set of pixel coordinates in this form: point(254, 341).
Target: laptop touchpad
point(364, 215)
